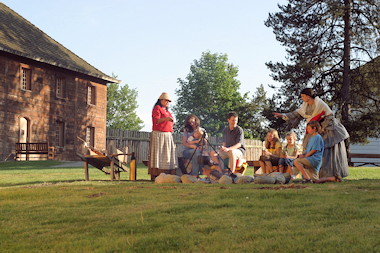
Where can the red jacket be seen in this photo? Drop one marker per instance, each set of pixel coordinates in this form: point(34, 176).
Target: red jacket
point(158, 113)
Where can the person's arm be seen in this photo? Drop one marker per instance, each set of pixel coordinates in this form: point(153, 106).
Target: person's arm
point(277, 114)
point(295, 154)
point(160, 120)
point(278, 151)
point(187, 144)
point(311, 152)
point(239, 140)
point(291, 157)
point(236, 146)
point(157, 114)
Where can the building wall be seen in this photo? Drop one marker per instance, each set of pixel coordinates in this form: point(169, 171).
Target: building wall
point(43, 109)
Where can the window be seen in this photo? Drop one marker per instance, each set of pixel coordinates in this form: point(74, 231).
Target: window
point(91, 95)
point(60, 87)
point(59, 134)
point(26, 79)
point(90, 136)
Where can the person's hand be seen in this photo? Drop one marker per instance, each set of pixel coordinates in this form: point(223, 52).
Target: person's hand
point(224, 149)
point(277, 115)
point(301, 156)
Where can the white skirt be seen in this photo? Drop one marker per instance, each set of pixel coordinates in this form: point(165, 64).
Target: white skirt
point(162, 153)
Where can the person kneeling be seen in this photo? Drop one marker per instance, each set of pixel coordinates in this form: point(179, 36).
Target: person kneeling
point(310, 162)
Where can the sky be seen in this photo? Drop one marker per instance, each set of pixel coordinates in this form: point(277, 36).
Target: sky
point(149, 44)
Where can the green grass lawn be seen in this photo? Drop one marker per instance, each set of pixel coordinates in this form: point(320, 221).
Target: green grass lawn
point(49, 209)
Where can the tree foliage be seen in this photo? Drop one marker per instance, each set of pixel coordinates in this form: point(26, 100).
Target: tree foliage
point(366, 101)
point(121, 108)
point(326, 41)
point(210, 91)
point(252, 114)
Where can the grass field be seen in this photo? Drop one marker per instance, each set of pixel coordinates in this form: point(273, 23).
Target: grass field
point(52, 209)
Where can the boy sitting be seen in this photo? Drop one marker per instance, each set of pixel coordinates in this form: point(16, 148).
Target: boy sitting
point(310, 162)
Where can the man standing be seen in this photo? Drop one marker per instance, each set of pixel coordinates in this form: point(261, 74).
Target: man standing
point(233, 143)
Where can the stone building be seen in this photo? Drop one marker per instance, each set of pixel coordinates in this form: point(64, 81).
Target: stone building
point(47, 93)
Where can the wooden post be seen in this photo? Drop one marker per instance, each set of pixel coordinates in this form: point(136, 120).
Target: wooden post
point(86, 176)
point(112, 172)
point(132, 168)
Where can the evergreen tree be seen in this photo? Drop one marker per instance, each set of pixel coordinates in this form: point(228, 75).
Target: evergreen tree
point(251, 115)
point(325, 40)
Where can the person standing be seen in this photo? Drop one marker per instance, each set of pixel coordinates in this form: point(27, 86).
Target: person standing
point(233, 143)
point(162, 155)
point(335, 163)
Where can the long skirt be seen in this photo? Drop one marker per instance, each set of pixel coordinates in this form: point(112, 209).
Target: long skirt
point(335, 163)
point(162, 153)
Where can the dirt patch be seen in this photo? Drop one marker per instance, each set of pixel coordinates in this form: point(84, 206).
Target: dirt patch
point(283, 187)
point(96, 195)
point(279, 187)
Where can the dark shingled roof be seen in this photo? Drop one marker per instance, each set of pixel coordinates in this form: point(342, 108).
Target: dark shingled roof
point(20, 37)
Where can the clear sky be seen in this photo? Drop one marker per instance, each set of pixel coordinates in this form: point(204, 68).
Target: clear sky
point(149, 44)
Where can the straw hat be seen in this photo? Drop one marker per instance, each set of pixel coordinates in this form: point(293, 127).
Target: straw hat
point(165, 96)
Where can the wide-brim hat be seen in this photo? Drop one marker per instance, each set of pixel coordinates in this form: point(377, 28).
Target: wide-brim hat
point(165, 96)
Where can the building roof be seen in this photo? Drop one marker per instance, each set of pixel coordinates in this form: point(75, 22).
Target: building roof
point(20, 37)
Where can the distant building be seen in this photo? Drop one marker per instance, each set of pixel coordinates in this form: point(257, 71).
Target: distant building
point(47, 93)
point(373, 147)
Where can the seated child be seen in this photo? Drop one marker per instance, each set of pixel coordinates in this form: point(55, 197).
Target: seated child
point(288, 154)
point(310, 162)
point(195, 138)
point(271, 152)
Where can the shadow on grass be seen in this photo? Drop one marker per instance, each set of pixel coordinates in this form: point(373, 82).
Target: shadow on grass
point(39, 165)
point(40, 183)
point(36, 184)
point(38, 168)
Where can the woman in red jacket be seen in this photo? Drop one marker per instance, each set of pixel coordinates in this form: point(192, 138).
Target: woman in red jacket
point(162, 155)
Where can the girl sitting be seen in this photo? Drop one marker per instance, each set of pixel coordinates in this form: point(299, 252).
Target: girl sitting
point(271, 152)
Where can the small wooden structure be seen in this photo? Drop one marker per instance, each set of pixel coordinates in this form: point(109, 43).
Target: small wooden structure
point(101, 161)
point(110, 164)
point(34, 148)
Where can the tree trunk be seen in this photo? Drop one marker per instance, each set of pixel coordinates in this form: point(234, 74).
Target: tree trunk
point(345, 91)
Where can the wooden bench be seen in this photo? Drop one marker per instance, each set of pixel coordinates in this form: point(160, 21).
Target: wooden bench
point(365, 156)
point(255, 165)
point(34, 148)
